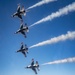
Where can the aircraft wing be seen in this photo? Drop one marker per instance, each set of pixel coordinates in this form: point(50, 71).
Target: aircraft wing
point(21, 47)
point(23, 33)
point(18, 8)
point(29, 66)
point(21, 27)
point(24, 53)
point(19, 50)
point(34, 69)
point(20, 16)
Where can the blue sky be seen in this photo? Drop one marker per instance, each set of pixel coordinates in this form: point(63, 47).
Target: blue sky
point(12, 63)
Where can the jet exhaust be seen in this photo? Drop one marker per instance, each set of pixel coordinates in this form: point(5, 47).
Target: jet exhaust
point(63, 11)
point(63, 37)
point(41, 3)
point(67, 60)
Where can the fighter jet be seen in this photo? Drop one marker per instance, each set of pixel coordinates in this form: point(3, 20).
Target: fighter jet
point(34, 67)
point(23, 49)
point(23, 29)
point(19, 12)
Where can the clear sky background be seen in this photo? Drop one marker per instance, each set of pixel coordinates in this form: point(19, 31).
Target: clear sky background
point(12, 63)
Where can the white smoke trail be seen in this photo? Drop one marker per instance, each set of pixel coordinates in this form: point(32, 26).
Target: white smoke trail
point(41, 3)
point(60, 12)
point(69, 35)
point(61, 61)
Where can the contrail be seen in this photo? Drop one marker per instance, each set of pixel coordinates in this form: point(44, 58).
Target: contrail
point(64, 11)
point(41, 3)
point(61, 61)
point(63, 37)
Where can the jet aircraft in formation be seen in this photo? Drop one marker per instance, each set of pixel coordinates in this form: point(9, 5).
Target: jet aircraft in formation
point(34, 66)
point(20, 11)
point(22, 30)
point(23, 49)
